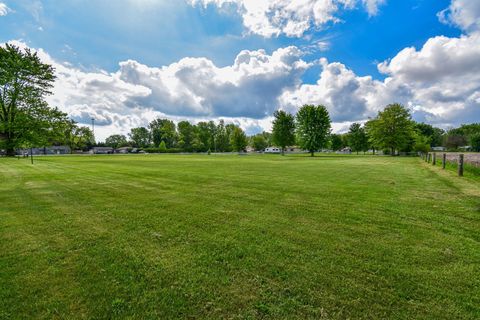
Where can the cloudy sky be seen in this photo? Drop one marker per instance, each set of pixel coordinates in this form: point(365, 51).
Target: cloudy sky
point(125, 62)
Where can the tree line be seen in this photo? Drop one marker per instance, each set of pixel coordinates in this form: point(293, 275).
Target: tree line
point(164, 135)
point(27, 121)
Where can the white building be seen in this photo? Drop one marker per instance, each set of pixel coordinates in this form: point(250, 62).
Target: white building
point(273, 150)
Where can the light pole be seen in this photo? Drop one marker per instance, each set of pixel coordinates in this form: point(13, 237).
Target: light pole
point(93, 128)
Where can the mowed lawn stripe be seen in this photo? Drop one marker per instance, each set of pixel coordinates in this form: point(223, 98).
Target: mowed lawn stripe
point(236, 236)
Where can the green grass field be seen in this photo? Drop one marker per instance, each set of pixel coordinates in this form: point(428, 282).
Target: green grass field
point(240, 237)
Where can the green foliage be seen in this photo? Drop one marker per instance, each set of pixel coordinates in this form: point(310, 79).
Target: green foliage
point(313, 127)
point(357, 138)
point(336, 142)
point(461, 136)
point(392, 129)
point(140, 137)
point(222, 139)
point(238, 139)
point(163, 130)
point(453, 140)
point(422, 143)
point(206, 135)
point(466, 130)
point(475, 141)
point(78, 137)
point(162, 147)
point(25, 118)
point(258, 142)
point(434, 135)
point(116, 141)
point(186, 136)
point(283, 132)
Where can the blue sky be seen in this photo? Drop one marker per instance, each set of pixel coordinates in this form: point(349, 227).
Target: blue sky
point(93, 37)
point(99, 34)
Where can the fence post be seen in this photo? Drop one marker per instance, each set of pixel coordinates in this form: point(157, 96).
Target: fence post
point(444, 160)
point(434, 160)
point(428, 158)
point(460, 165)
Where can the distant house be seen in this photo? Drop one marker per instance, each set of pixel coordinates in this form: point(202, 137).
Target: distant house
point(122, 150)
point(58, 150)
point(45, 150)
point(101, 150)
point(465, 148)
point(249, 149)
point(293, 149)
point(438, 149)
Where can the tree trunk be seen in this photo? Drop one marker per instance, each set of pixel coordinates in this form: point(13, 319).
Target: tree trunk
point(10, 152)
point(312, 153)
point(283, 151)
point(393, 151)
point(9, 147)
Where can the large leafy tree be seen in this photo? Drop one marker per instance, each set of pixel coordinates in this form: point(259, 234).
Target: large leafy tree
point(163, 130)
point(24, 82)
point(140, 137)
point(357, 138)
point(78, 137)
point(41, 126)
point(206, 135)
point(313, 127)
point(454, 141)
point(433, 134)
point(186, 135)
point(392, 128)
point(222, 139)
point(229, 129)
point(283, 131)
point(475, 141)
point(258, 142)
point(238, 139)
point(116, 141)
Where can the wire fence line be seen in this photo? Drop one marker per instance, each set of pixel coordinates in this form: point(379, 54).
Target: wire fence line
point(461, 161)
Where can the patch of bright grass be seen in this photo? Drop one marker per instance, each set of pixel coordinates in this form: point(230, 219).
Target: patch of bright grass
point(177, 236)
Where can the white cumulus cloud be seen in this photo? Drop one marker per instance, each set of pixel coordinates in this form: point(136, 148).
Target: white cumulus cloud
point(293, 18)
point(192, 88)
point(462, 13)
point(4, 10)
point(440, 82)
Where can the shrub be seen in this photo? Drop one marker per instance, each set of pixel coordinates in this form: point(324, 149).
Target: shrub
point(162, 147)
